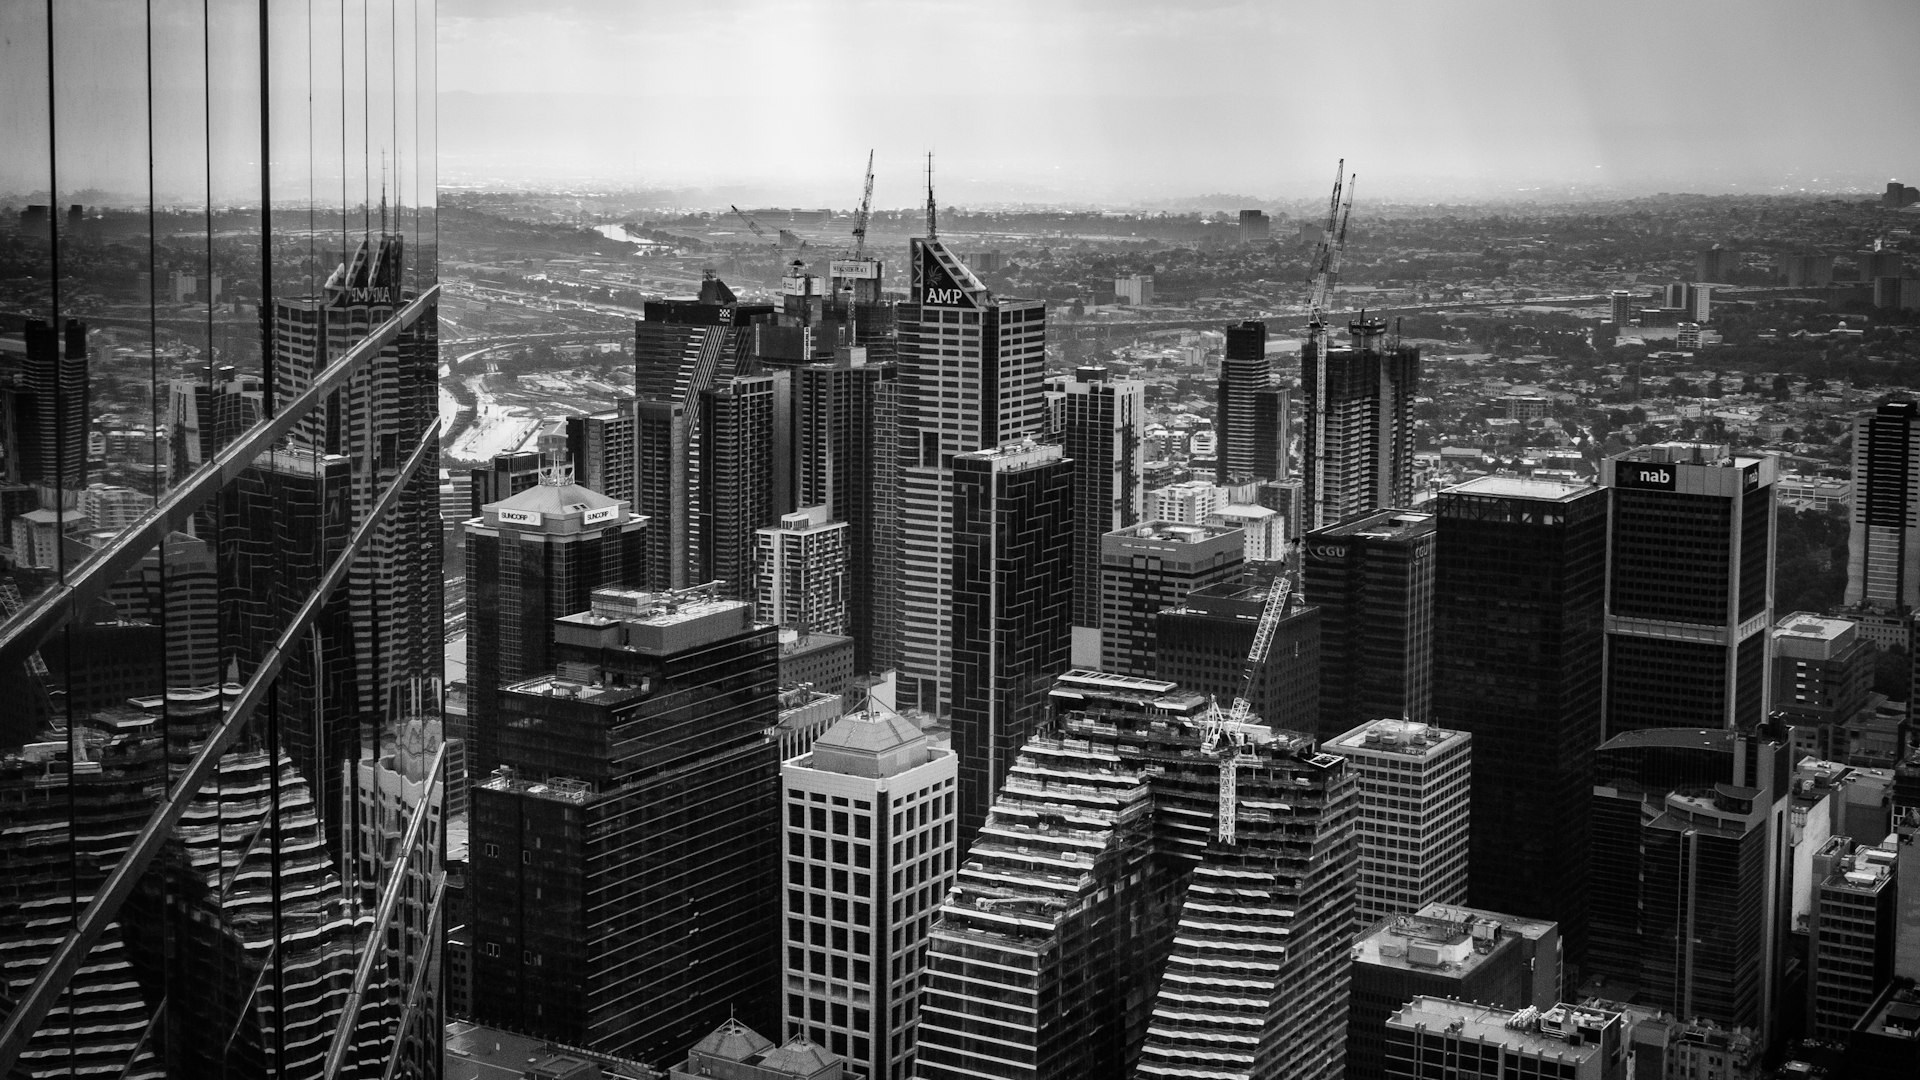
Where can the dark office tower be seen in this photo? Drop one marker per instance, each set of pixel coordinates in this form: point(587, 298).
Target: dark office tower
point(590, 929)
point(1358, 442)
point(169, 903)
point(845, 454)
point(970, 379)
point(1716, 264)
point(1250, 417)
point(600, 445)
point(661, 471)
point(1149, 568)
point(744, 479)
point(206, 412)
point(1883, 540)
point(1690, 587)
point(1255, 227)
point(506, 475)
point(530, 559)
point(1691, 880)
point(1104, 434)
point(1519, 595)
point(46, 413)
point(1372, 580)
point(1202, 644)
point(1621, 302)
point(1850, 931)
point(1012, 590)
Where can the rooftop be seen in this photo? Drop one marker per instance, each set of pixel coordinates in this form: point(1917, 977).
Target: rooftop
point(1558, 1033)
point(1387, 524)
point(1171, 532)
point(1521, 487)
point(1804, 624)
point(474, 1052)
point(1403, 738)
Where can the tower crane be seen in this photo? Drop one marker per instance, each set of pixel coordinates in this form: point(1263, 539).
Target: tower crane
point(1232, 728)
point(866, 210)
point(1326, 271)
point(751, 224)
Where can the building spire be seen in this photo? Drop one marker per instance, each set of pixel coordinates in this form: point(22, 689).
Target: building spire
point(933, 210)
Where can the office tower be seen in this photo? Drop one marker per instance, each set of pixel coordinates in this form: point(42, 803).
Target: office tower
point(1690, 587)
point(206, 413)
point(1134, 289)
point(505, 476)
point(600, 446)
point(1715, 264)
point(588, 930)
point(1372, 580)
point(1098, 926)
point(884, 593)
point(1885, 1045)
point(1622, 307)
point(1438, 1039)
point(1358, 443)
point(1850, 932)
point(1518, 635)
point(1691, 885)
point(1251, 409)
point(845, 461)
point(1805, 270)
point(1151, 567)
point(44, 403)
point(1445, 951)
point(1012, 588)
point(1884, 520)
point(738, 1052)
point(870, 844)
point(1202, 644)
point(802, 573)
point(1413, 815)
point(661, 467)
point(1822, 678)
point(970, 379)
point(744, 479)
point(1255, 227)
point(1877, 262)
point(1104, 433)
point(531, 558)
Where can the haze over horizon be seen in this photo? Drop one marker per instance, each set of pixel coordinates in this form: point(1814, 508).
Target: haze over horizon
point(1132, 102)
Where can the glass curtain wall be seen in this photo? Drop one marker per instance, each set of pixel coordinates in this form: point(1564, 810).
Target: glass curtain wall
point(221, 772)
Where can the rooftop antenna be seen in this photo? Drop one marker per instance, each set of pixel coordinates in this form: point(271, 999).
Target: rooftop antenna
point(933, 211)
point(383, 191)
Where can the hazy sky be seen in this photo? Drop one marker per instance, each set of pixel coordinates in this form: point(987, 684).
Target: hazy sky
point(1065, 98)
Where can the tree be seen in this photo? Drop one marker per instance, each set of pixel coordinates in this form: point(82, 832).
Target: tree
point(1782, 389)
point(1679, 387)
point(1716, 388)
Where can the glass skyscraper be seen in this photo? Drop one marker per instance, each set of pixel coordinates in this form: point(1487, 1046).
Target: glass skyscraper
point(221, 765)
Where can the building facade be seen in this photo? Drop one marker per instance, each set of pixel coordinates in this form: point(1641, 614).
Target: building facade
point(1251, 409)
point(1202, 644)
point(1372, 579)
point(1413, 815)
point(1148, 569)
point(801, 573)
point(1358, 443)
point(1883, 536)
point(1104, 433)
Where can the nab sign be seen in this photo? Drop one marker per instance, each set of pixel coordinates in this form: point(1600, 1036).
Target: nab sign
point(1658, 475)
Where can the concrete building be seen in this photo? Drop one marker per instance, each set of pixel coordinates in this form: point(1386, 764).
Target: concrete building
point(1149, 568)
point(1372, 579)
point(1358, 443)
point(600, 446)
point(1251, 414)
point(1850, 936)
point(1883, 538)
point(1263, 530)
point(1431, 1038)
point(1822, 679)
point(1414, 811)
point(870, 818)
point(1134, 289)
point(822, 661)
point(802, 573)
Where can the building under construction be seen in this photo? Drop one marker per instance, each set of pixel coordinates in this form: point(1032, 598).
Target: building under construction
point(1101, 925)
point(1359, 429)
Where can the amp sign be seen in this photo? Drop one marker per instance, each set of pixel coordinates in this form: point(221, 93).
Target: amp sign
point(1658, 475)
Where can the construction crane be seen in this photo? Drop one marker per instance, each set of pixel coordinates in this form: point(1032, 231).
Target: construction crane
point(1326, 271)
point(1232, 728)
point(866, 210)
point(761, 232)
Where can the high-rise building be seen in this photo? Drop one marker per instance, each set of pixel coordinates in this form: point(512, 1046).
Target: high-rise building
point(1445, 951)
point(1012, 587)
point(1251, 412)
point(593, 931)
point(1100, 927)
point(870, 843)
point(845, 445)
point(744, 479)
point(1149, 568)
point(1622, 307)
point(531, 558)
point(1438, 1039)
point(1822, 678)
point(1413, 815)
point(1850, 932)
point(505, 476)
point(175, 901)
point(1202, 644)
point(1690, 587)
point(971, 367)
point(1716, 264)
point(802, 573)
point(1519, 596)
point(1372, 580)
point(1883, 538)
point(1358, 443)
point(600, 446)
point(1255, 226)
point(1691, 883)
point(661, 465)
point(1104, 432)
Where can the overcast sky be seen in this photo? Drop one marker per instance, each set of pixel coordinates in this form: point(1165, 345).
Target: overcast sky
point(1120, 98)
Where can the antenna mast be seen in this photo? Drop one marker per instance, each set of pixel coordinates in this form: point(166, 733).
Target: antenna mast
point(933, 211)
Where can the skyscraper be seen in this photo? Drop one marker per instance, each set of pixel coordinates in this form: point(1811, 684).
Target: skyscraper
point(1883, 537)
point(1372, 580)
point(970, 379)
point(1149, 568)
point(1012, 593)
point(600, 445)
point(846, 446)
point(1251, 411)
point(1202, 644)
point(1104, 434)
point(1358, 442)
point(1519, 596)
point(744, 476)
point(801, 579)
point(176, 899)
point(1690, 587)
point(1413, 815)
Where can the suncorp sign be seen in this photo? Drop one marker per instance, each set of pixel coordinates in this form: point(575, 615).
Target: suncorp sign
point(1658, 475)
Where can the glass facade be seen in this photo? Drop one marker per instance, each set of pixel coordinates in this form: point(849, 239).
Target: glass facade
point(220, 659)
